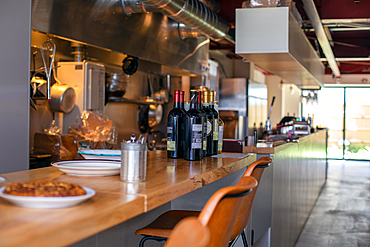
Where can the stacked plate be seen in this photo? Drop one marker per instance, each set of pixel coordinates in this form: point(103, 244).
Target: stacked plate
point(106, 154)
point(89, 167)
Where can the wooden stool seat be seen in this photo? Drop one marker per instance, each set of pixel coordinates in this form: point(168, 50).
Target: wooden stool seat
point(163, 225)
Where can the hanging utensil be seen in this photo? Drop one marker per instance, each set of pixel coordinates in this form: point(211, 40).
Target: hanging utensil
point(48, 53)
point(268, 122)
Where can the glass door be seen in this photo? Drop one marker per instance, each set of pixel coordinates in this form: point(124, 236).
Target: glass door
point(357, 124)
point(345, 111)
point(329, 113)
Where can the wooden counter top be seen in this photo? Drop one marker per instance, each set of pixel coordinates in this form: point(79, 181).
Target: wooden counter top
point(272, 150)
point(115, 201)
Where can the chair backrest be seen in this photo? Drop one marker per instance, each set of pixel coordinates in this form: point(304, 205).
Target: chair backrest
point(220, 212)
point(255, 170)
point(189, 232)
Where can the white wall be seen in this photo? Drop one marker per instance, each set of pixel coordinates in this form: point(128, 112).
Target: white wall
point(291, 100)
point(287, 99)
point(274, 89)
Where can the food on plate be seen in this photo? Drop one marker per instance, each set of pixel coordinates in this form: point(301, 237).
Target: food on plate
point(44, 189)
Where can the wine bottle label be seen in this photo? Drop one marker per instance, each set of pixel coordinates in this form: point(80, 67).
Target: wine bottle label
point(220, 137)
point(219, 146)
point(209, 127)
point(205, 136)
point(215, 130)
point(220, 133)
point(197, 137)
point(171, 146)
point(170, 138)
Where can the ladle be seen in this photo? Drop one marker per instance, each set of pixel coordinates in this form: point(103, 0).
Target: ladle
point(48, 53)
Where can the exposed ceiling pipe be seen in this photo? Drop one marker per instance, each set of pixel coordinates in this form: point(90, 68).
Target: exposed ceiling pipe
point(191, 13)
point(312, 14)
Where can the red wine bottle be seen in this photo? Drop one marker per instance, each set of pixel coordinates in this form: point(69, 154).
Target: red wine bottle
point(175, 129)
point(193, 130)
point(182, 100)
point(210, 120)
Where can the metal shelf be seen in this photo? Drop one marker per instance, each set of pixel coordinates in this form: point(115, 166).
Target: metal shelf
point(135, 101)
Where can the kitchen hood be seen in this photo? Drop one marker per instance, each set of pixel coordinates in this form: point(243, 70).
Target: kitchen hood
point(272, 39)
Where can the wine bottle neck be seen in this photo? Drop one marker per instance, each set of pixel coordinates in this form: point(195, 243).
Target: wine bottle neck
point(193, 105)
point(176, 105)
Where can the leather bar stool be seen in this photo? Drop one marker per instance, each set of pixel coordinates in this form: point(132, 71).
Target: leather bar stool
point(218, 215)
point(189, 232)
point(255, 170)
point(160, 228)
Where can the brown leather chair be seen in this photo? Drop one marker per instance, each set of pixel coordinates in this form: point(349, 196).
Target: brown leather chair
point(218, 215)
point(189, 232)
point(255, 170)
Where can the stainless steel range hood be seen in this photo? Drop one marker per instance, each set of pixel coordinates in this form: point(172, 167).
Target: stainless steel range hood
point(273, 39)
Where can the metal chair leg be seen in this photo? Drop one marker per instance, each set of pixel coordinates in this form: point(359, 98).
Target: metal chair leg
point(233, 242)
point(244, 238)
point(145, 238)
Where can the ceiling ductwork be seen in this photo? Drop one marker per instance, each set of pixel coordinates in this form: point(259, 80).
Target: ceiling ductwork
point(191, 13)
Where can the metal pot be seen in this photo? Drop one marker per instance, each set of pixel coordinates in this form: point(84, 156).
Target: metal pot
point(155, 114)
point(116, 84)
point(63, 98)
point(149, 117)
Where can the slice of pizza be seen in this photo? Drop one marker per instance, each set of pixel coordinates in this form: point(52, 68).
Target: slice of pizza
point(44, 189)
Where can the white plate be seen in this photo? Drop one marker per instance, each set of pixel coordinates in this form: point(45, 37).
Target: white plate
point(46, 202)
point(89, 167)
point(106, 154)
point(2, 179)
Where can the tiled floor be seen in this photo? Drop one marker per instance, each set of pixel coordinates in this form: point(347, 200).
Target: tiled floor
point(341, 216)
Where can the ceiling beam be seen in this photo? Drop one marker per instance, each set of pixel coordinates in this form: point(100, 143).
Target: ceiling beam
point(312, 14)
point(353, 20)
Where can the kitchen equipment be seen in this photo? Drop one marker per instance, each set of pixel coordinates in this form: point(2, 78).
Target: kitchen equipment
point(289, 125)
point(134, 161)
point(150, 116)
point(48, 53)
point(268, 122)
point(155, 114)
point(88, 81)
point(63, 98)
point(249, 99)
point(162, 95)
point(130, 65)
point(116, 84)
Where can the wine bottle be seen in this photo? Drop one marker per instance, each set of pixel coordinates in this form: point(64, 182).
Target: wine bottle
point(204, 115)
point(193, 130)
point(210, 119)
point(220, 129)
point(215, 122)
point(175, 129)
point(182, 100)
